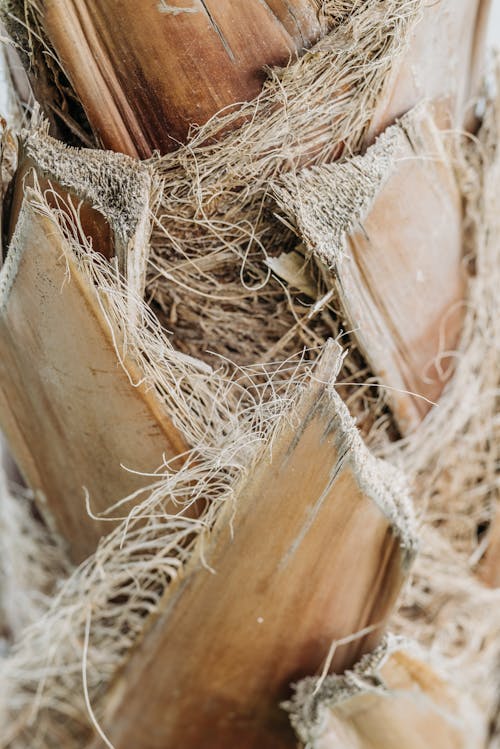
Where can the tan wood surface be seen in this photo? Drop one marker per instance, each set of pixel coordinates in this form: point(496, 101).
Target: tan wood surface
point(489, 569)
point(443, 64)
point(389, 226)
point(144, 73)
point(406, 288)
point(72, 417)
point(418, 711)
point(308, 558)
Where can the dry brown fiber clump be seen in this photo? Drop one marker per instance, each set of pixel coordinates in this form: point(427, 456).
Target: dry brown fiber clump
point(217, 316)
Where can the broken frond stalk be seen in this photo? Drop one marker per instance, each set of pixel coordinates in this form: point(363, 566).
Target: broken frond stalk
point(316, 547)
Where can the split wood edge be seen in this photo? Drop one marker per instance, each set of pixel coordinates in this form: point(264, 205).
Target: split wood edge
point(388, 225)
point(73, 418)
point(315, 547)
point(114, 193)
point(391, 699)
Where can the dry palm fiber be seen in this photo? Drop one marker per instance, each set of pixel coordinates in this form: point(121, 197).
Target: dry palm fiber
point(452, 461)
point(328, 503)
point(88, 604)
point(150, 546)
point(70, 613)
point(215, 230)
point(142, 104)
point(26, 575)
point(340, 48)
point(31, 25)
point(388, 228)
point(147, 550)
point(215, 226)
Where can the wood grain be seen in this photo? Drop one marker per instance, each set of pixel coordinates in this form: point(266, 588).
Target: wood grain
point(145, 74)
point(419, 710)
point(443, 65)
point(405, 290)
point(71, 415)
point(388, 225)
point(309, 557)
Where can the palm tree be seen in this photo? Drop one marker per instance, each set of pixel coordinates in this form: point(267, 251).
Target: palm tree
point(247, 336)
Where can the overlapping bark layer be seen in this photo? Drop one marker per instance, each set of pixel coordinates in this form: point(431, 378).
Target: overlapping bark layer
point(217, 232)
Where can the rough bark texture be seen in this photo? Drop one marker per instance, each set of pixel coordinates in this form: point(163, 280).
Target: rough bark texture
point(319, 547)
point(278, 546)
point(146, 73)
point(77, 419)
point(391, 699)
point(389, 226)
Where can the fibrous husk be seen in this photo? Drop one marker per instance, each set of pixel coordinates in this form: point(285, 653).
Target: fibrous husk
point(388, 227)
point(226, 420)
point(452, 461)
point(79, 421)
point(216, 207)
point(320, 541)
point(453, 458)
point(26, 575)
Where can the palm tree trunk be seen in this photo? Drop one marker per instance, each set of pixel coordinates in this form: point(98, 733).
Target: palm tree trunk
point(215, 190)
